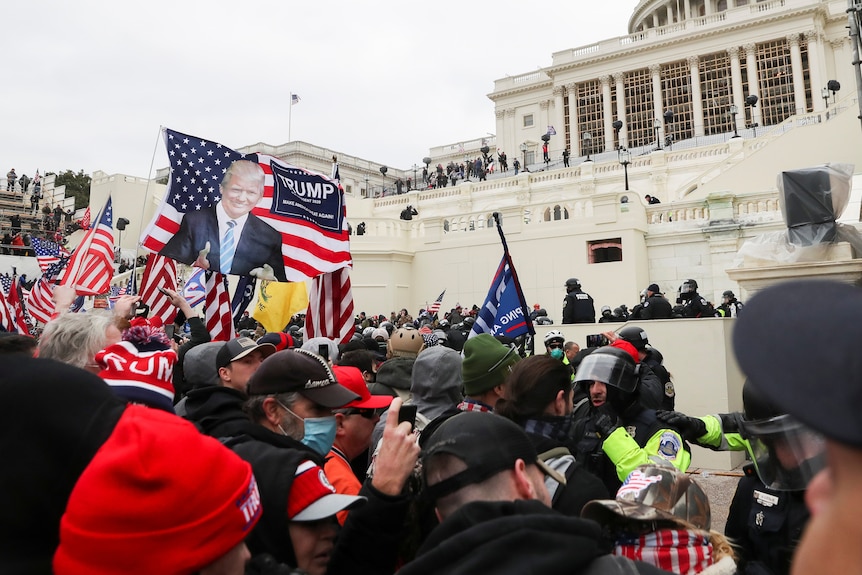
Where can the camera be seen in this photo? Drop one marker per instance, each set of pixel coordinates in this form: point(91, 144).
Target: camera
point(597, 340)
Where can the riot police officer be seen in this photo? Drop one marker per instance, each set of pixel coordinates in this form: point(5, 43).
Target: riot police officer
point(653, 358)
point(578, 306)
point(691, 304)
point(730, 306)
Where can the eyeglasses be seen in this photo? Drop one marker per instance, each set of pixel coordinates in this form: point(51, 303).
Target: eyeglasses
point(367, 413)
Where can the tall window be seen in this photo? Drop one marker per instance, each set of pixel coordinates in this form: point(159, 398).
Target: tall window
point(640, 113)
point(715, 86)
point(676, 92)
point(776, 82)
point(528, 120)
point(590, 112)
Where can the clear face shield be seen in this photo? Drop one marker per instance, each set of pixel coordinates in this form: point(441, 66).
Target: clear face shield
point(686, 288)
point(786, 453)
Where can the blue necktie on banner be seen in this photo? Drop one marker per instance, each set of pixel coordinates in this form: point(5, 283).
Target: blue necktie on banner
point(227, 248)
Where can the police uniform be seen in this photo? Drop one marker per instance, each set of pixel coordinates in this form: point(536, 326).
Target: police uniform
point(578, 307)
point(765, 524)
point(656, 306)
point(640, 438)
point(697, 306)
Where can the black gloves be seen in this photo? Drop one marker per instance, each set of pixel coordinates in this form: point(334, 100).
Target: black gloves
point(731, 422)
point(606, 420)
point(690, 427)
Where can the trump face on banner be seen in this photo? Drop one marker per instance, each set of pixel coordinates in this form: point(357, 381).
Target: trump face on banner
point(226, 236)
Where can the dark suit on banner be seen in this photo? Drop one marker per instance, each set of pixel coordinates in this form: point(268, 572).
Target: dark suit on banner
point(258, 244)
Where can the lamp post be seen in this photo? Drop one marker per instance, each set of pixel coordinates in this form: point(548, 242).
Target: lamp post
point(734, 110)
point(668, 118)
point(383, 170)
point(824, 93)
point(657, 126)
point(368, 193)
point(625, 158)
point(751, 102)
point(618, 125)
point(833, 86)
point(588, 141)
point(415, 167)
point(524, 152)
point(121, 225)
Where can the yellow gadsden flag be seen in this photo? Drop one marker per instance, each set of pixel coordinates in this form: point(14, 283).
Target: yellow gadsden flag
point(278, 301)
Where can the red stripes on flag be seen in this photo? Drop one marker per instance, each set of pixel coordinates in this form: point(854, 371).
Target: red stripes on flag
point(91, 267)
point(218, 315)
point(159, 272)
point(330, 307)
point(16, 310)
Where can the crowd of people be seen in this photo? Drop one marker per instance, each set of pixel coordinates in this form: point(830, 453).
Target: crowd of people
point(408, 450)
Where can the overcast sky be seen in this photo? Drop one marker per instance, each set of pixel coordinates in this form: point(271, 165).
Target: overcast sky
point(87, 84)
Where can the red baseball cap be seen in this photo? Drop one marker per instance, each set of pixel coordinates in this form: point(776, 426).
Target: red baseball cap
point(351, 378)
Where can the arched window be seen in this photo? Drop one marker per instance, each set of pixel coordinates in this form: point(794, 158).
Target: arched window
point(557, 213)
point(445, 225)
point(546, 217)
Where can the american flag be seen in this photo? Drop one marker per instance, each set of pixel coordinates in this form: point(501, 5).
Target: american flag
point(40, 303)
point(435, 307)
point(159, 271)
point(294, 99)
point(195, 288)
point(635, 483)
point(85, 220)
point(47, 252)
point(7, 321)
point(330, 307)
point(218, 316)
point(314, 241)
point(92, 265)
point(14, 319)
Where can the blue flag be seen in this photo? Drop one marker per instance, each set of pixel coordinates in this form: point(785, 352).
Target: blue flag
point(503, 310)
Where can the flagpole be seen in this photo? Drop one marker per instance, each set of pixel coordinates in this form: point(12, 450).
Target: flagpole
point(498, 220)
point(289, 115)
point(160, 136)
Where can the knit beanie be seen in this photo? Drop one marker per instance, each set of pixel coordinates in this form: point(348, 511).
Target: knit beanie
point(486, 363)
point(158, 497)
point(139, 372)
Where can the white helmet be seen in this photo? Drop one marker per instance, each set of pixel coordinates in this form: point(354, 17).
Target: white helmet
point(554, 334)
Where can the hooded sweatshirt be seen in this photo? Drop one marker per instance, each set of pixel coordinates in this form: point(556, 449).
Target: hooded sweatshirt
point(435, 385)
point(516, 537)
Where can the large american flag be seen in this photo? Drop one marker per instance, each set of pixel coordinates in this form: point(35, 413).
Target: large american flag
point(218, 316)
point(312, 243)
point(40, 303)
point(159, 271)
point(91, 267)
point(330, 307)
point(47, 252)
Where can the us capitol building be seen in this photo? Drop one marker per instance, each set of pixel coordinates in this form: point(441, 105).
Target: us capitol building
point(702, 105)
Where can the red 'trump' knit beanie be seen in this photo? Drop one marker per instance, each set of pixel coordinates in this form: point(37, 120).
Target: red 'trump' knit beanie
point(158, 497)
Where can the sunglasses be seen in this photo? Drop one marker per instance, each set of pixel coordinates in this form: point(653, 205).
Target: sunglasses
point(367, 413)
point(555, 346)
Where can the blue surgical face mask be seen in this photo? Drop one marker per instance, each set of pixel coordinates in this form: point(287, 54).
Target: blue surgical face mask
point(319, 431)
point(557, 353)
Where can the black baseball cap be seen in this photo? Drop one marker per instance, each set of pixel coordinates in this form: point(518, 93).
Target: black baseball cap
point(301, 371)
point(239, 348)
point(798, 344)
point(487, 443)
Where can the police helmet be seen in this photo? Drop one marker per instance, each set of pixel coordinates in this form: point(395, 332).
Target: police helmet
point(554, 334)
point(785, 452)
point(611, 366)
point(606, 308)
point(689, 286)
point(635, 336)
point(573, 283)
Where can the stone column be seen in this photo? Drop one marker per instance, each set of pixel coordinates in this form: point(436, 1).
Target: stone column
point(707, 7)
point(607, 112)
point(574, 132)
point(815, 67)
point(736, 86)
point(619, 81)
point(798, 78)
point(696, 96)
point(669, 13)
point(658, 101)
point(687, 8)
point(512, 134)
point(753, 81)
point(559, 122)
